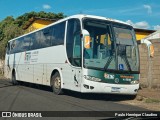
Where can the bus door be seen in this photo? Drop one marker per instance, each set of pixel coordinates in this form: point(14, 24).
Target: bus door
point(77, 77)
point(77, 70)
point(73, 49)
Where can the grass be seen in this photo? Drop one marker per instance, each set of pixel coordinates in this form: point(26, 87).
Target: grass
point(150, 100)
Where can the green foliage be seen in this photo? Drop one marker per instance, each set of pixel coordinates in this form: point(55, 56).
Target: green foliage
point(11, 28)
point(21, 20)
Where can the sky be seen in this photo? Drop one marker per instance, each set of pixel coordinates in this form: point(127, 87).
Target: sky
point(143, 14)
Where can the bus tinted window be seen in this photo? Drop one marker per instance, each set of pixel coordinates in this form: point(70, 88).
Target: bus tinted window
point(13, 44)
point(26, 43)
point(41, 39)
point(47, 34)
point(47, 37)
point(58, 34)
point(19, 45)
point(16, 45)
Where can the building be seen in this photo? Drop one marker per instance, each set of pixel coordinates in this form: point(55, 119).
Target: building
point(37, 23)
point(142, 33)
point(155, 35)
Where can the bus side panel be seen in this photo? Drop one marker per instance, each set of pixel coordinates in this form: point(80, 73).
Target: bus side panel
point(13, 58)
point(67, 73)
point(71, 77)
point(29, 73)
point(20, 71)
point(38, 73)
point(46, 77)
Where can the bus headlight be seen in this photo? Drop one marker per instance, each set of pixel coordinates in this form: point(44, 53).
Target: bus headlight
point(135, 82)
point(92, 78)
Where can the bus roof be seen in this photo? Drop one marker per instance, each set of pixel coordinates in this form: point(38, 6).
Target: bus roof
point(80, 16)
point(97, 17)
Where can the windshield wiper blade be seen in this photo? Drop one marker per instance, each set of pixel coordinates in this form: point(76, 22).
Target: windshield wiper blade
point(126, 61)
point(108, 62)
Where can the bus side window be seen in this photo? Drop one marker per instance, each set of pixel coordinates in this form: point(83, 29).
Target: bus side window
point(13, 44)
point(18, 45)
point(35, 40)
point(47, 37)
point(41, 39)
point(26, 43)
point(58, 34)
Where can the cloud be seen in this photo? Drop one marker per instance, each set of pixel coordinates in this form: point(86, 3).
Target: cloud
point(149, 8)
point(130, 22)
point(156, 27)
point(142, 24)
point(46, 6)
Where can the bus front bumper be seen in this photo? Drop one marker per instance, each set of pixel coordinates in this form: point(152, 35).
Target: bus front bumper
point(98, 87)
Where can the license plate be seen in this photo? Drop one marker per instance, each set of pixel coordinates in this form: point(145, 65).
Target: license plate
point(115, 89)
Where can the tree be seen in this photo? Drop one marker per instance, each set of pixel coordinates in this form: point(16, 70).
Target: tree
point(8, 30)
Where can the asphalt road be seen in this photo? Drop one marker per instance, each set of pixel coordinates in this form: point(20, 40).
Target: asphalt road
point(30, 97)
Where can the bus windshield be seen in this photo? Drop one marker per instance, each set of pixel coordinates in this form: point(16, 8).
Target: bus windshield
point(111, 47)
point(126, 47)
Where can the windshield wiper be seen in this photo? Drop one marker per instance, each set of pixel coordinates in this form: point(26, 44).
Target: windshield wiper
point(126, 61)
point(124, 57)
point(121, 51)
point(108, 62)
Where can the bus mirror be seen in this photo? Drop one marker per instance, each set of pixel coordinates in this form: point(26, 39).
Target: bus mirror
point(87, 39)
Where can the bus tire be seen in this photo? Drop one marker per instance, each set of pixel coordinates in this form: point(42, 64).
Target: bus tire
point(56, 84)
point(14, 81)
point(134, 96)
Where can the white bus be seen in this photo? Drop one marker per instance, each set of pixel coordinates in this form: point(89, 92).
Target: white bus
point(84, 53)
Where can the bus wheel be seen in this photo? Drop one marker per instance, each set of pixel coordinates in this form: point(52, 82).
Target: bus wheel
point(56, 84)
point(14, 81)
point(132, 97)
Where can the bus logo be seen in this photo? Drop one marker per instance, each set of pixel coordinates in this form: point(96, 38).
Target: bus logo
point(108, 76)
point(27, 56)
point(116, 80)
